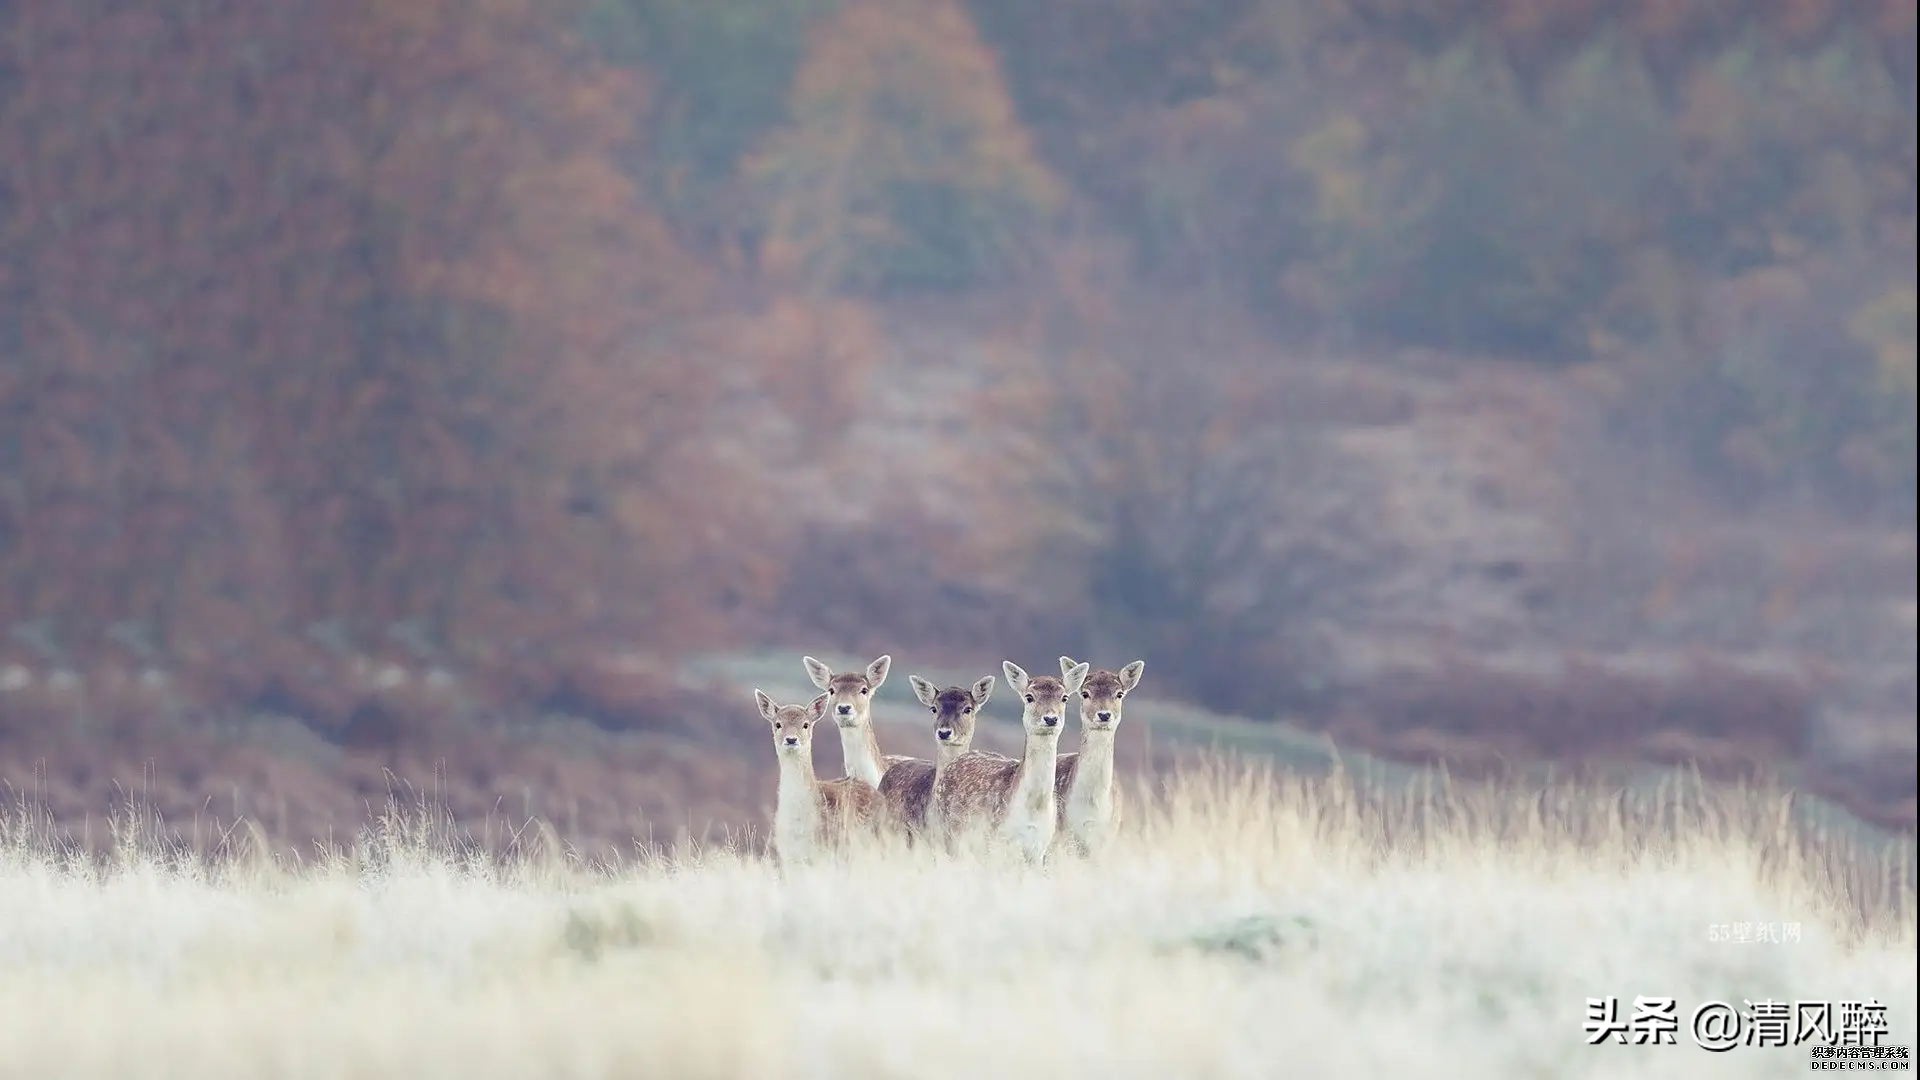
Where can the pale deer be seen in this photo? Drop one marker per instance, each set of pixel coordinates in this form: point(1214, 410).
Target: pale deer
point(908, 786)
point(1014, 798)
point(851, 700)
point(809, 814)
point(1083, 781)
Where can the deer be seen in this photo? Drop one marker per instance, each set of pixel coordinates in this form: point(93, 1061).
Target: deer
point(1016, 798)
point(810, 815)
point(1083, 781)
point(908, 785)
point(851, 695)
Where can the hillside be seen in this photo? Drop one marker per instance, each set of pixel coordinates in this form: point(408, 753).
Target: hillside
point(416, 393)
point(1459, 581)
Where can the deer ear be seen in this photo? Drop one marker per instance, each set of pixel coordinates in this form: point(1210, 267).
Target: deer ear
point(817, 671)
point(923, 690)
point(1077, 676)
point(1016, 678)
point(768, 710)
point(1066, 665)
point(1130, 675)
point(877, 672)
point(818, 706)
point(982, 690)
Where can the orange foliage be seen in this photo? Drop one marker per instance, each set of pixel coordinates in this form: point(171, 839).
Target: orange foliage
point(343, 330)
point(899, 101)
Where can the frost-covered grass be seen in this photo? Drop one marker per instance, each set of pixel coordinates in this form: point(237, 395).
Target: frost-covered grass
point(1248, 925)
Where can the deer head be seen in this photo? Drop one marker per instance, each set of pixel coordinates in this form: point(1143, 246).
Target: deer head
point(850, 693)
point(1104, 693)
point(955, 710)
point(1044, 697)
point(792, 724)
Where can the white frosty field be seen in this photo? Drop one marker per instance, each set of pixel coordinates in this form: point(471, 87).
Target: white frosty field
point(1248, 926)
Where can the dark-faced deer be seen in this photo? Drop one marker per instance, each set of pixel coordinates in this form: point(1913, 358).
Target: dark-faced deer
point(908, 786)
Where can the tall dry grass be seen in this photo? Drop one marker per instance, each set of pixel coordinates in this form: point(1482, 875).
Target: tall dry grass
point(1249, 924)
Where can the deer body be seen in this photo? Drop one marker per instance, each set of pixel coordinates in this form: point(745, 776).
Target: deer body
point(810, 815)
point(1083, 782)
point(909, 785)
point(1015, 798)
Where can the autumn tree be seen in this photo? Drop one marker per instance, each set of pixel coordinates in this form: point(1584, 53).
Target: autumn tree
point(346, 329)
point(721, 76)
point(1557, 182)
point(905, 165)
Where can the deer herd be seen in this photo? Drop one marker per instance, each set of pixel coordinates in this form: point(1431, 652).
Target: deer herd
point(1025, 802)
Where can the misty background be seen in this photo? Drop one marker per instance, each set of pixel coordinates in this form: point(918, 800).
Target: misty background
point(489, 393)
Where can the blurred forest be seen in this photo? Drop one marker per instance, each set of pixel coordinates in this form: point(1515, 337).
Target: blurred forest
point(1518, 377)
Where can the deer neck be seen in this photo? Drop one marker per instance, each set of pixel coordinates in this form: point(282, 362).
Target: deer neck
point(1093, 774)
point(944, 755)
point(1033, 782)
point(796, 811)
point(860, 749)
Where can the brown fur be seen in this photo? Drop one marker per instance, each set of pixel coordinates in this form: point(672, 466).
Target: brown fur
point(978, 785)
point(907, 789)
point(1063, 769)
point(847, 804)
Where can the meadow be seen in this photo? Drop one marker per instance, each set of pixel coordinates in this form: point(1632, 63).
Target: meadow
point(1251, 923)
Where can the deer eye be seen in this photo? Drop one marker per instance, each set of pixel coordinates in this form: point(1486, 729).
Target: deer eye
point(1029, 699)
point(863, 691)
point(1120, 694)
point(968, 711)
point(935, 710)
point(1085, 694)
point(805, 724)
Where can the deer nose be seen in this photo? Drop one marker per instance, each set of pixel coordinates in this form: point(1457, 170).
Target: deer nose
point(793, 740)
point(1104, 716)
point(1050, 721)
point(846, 710)
point(944, 733)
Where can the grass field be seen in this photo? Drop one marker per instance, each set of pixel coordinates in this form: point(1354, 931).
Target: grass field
point(1250, 924)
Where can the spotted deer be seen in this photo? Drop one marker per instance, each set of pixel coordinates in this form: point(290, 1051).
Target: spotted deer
point(1083, 780)
point(1014, 798)
point(908, 786)
point(809, 814)
point(851, 700)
